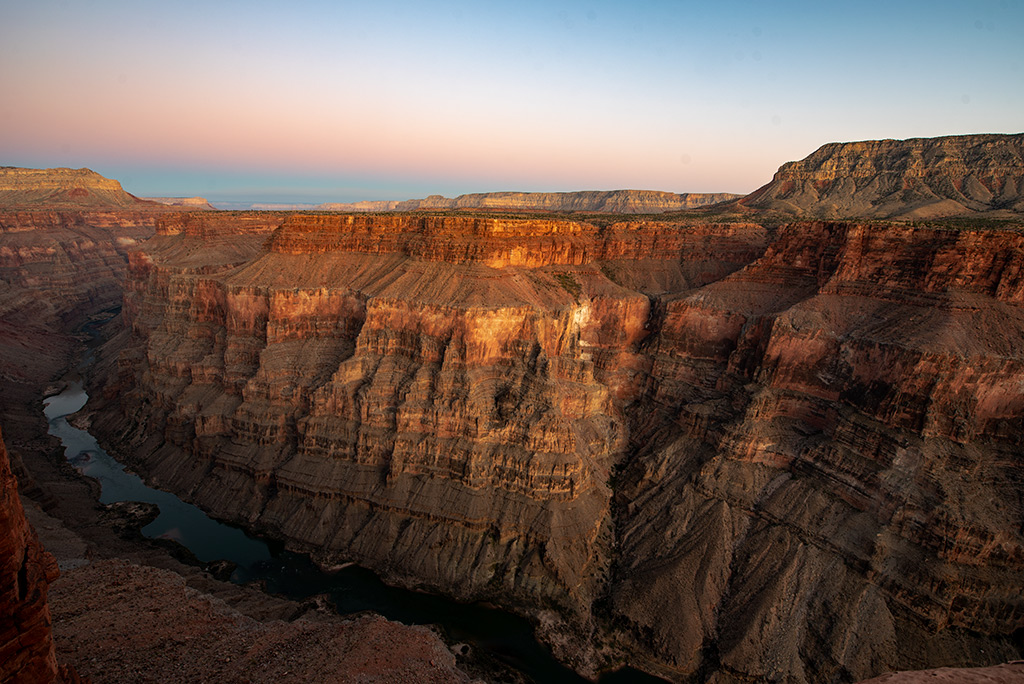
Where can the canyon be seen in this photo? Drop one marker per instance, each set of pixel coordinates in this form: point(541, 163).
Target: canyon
point(772, 452)
point(777, 441)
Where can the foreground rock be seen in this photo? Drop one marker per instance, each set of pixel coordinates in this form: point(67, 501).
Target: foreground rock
point(123, 610)
point(26, 571)
point(1007, 673)
point(711, 449)
point(120, 622)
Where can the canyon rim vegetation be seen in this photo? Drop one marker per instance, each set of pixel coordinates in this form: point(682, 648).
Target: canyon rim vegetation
point(774, 437)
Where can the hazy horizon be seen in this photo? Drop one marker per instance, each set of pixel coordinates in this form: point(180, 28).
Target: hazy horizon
point(324, 102)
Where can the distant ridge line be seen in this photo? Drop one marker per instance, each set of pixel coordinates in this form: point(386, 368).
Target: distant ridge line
point(610, 201)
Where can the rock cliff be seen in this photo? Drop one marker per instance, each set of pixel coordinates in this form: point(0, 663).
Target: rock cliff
point(610, 201)
point(56, 270)
point(26, 641)
point(919, 178)
point(778, 454)
point(61, 188)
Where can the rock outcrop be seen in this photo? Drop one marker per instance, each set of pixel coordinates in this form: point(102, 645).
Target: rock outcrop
point(26, 570)
point(609, 201)
point(121, 622)
point(919, 178)
point(1007, 673)
point(778, 454)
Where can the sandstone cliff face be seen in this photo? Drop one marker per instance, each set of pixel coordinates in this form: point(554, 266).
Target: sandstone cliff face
point(917, 178)
point(67, 260)
point(26, 642)
point(611, 201)
point(771, 454)
point(443, 389)
point(839, 459)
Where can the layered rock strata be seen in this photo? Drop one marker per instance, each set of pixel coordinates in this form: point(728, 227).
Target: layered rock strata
point(26, 570)
point(62, 188)
point(57, 269)
point(919, 178)
point(611, 201)
point(1007, 673)
point(785, 454)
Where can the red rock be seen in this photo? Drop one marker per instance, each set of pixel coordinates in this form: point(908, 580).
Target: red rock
point(26, 643)
point(811, 428)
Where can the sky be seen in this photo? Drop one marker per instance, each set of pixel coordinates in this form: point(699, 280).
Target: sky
point(308, 102)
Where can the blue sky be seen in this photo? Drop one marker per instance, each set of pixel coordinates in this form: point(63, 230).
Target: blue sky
point(329, 101)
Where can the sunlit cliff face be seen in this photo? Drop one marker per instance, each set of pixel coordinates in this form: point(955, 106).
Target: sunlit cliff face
point(544, 413)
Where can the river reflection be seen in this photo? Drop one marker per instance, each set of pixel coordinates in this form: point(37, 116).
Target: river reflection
point(206, 538)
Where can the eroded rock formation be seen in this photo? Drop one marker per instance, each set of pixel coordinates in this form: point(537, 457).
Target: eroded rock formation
point(765, 453)
point(918, 178)
point(56, 270)
point(26, 570)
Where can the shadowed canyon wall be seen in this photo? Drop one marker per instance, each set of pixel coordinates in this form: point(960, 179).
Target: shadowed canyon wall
point(771, 453)
point(57, 269)
point(26, 643)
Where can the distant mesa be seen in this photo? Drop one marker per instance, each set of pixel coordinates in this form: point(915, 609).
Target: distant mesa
point(919, 178)
point(189, 203)
point(63, 189)
point(598, 201)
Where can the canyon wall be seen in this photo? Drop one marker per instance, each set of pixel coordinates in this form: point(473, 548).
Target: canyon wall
point(919, 178)
point(26, 641)
point(57, 269)
point(781, 454)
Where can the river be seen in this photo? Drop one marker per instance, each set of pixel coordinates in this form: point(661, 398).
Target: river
point(504, 636)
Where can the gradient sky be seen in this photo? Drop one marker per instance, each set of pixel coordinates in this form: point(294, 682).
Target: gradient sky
point(336, 101)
